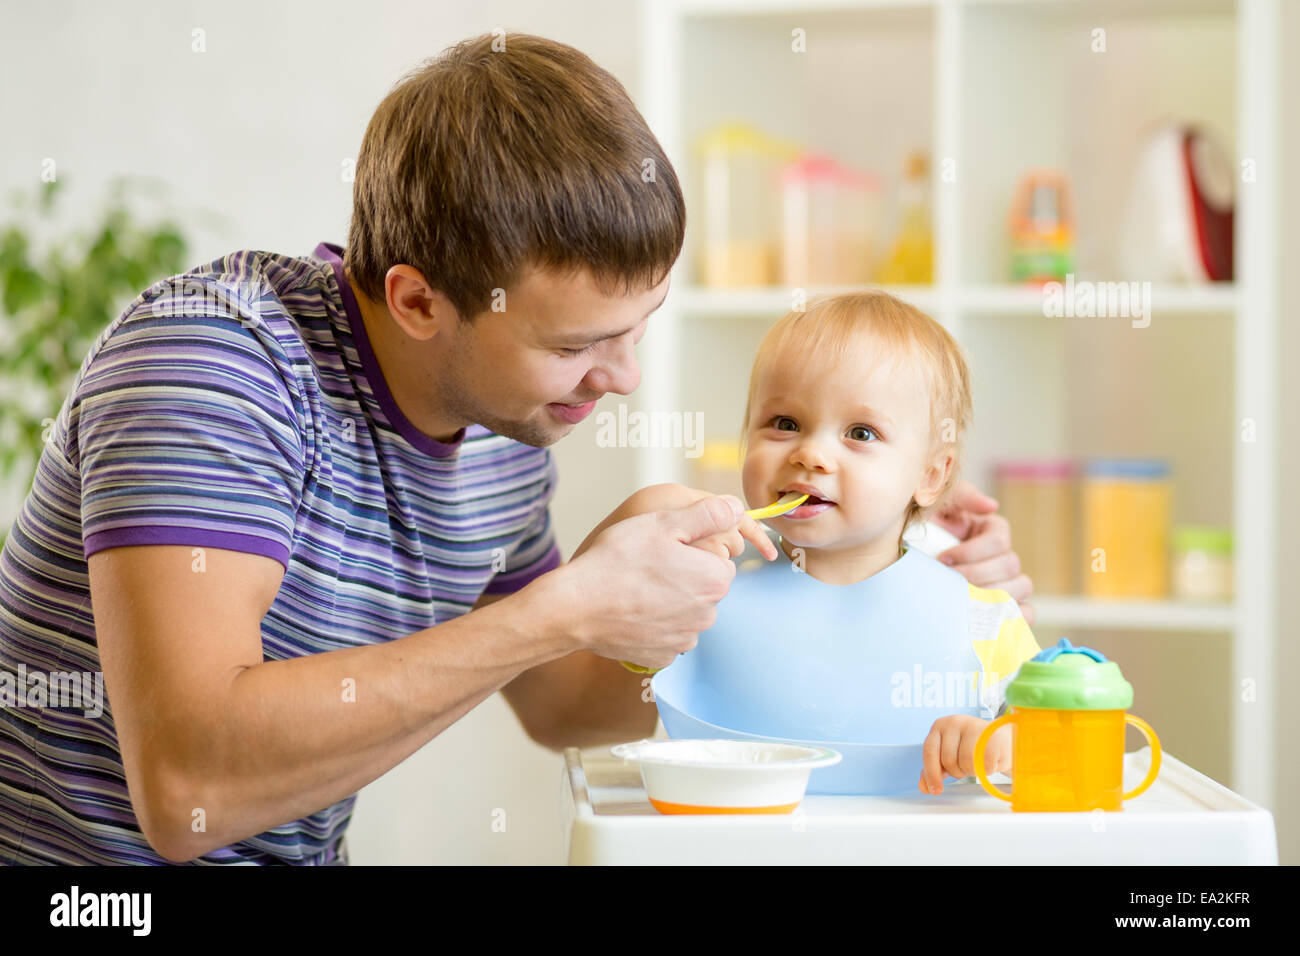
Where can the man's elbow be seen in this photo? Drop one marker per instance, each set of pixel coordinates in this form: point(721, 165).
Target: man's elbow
point(172, 819)
point(550, 737)
point(558, 738)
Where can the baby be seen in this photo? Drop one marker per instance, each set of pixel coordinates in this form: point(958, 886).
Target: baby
point(862, 401)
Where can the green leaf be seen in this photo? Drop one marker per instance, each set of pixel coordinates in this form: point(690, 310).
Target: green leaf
point(54, 308)
point(22, 287)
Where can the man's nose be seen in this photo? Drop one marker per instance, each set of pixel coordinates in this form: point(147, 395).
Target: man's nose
point(619, 373)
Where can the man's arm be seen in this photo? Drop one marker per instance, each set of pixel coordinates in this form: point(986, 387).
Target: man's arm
point(584, 699)
point(205, 724)
point(581, 700)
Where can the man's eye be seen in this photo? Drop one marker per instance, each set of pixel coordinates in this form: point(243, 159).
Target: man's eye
point(780, 419)
point(860, 433)
point(582, 351)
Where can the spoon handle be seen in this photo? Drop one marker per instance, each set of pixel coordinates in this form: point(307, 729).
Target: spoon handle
point(788, 502)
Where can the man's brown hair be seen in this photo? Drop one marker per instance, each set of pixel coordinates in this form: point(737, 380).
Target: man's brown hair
point(483, 163)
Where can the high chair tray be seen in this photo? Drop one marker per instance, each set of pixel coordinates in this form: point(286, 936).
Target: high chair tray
point(1184, 818)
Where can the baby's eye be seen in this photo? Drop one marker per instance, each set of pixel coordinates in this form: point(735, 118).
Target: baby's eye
point(860, 433)
point(780, 419)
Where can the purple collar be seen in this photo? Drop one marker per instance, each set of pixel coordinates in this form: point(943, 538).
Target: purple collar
point(333, 254)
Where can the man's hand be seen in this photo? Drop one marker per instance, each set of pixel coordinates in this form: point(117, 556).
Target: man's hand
point(725, 544)
point(984, 556)
point(640, 591)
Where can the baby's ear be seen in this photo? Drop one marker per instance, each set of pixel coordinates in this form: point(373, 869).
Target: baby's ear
point(934, 480)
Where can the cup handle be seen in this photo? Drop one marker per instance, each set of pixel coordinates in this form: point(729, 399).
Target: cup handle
point(1149, 732)
point(980, 746)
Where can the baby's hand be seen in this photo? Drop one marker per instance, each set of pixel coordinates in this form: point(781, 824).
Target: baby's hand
point(950, 750)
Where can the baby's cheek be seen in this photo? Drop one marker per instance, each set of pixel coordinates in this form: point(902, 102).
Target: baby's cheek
point(752, 481)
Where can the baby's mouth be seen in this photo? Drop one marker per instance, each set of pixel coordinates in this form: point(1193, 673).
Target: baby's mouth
point(814, 498)
point(814, 505)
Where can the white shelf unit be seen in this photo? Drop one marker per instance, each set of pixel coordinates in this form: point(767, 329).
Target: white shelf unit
point(998, 86)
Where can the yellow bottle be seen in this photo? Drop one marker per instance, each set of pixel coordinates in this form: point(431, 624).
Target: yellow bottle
point(911, 259)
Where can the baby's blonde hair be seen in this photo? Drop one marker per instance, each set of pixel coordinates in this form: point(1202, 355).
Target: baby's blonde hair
point(903, 335)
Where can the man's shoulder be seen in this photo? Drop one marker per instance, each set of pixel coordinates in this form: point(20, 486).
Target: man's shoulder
point(245, 323)
point(252, 286)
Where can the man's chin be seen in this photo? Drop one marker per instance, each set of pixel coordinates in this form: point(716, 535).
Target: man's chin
point(530, 432)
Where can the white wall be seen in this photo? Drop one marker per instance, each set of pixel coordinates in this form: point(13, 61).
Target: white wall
point(250, 137)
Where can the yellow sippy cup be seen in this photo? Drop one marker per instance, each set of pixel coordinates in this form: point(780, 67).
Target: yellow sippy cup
point(1066, 707)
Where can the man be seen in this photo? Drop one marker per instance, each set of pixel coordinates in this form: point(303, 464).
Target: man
point(296, 509)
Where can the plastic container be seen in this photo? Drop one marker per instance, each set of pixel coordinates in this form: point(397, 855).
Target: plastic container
point(1038, 499)
point(1124, 532)
point(741, 217)
point(830, 223)
point(1067, 707)
point(1202, 563)
point(724, 776)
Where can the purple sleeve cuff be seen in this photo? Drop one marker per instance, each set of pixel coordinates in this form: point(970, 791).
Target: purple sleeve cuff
point(508, 582)
point(196, 537)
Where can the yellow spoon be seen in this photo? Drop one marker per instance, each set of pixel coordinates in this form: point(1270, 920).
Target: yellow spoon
point(788, 502)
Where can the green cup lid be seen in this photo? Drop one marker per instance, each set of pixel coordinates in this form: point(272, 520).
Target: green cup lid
point(1202, 538)
point(1066, 677)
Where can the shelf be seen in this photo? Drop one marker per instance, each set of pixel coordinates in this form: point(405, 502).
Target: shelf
point(992, 88)
point(774, 301)
point(1213, 299)
point(1098, 614)
point(1219, 297)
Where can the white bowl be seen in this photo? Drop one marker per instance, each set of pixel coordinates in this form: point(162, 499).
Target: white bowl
point(724, 776)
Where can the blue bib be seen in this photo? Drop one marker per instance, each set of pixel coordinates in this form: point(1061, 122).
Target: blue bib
point(795, 658)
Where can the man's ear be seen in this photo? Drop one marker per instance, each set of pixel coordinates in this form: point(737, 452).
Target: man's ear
point(934, 479)
point(420, 310)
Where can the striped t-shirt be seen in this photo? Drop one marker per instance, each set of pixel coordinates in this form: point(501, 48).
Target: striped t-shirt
point(238, 406)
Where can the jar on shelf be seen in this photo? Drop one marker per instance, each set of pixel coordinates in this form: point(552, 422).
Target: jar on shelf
point(740, 164)
point(830, 220)
point(1042, 228)
point(1202, 563)
point(1037, 498)
point(1124, 534)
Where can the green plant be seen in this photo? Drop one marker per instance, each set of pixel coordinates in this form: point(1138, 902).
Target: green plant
point(54, 305)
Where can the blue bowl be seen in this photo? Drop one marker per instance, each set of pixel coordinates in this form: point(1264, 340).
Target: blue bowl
point(865, 769)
